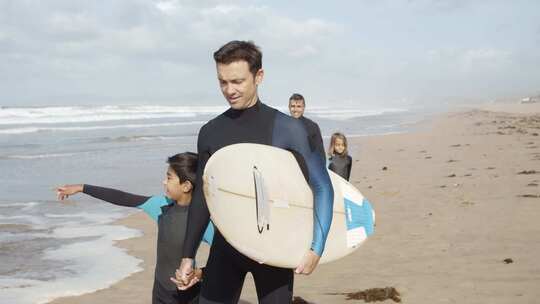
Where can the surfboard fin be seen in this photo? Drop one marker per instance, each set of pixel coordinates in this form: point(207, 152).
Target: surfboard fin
point(261, 201)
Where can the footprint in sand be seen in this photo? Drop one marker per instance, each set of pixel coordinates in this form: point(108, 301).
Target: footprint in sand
point(527, 172)
point(456, 145)
point(529, 195)
point(452, 161)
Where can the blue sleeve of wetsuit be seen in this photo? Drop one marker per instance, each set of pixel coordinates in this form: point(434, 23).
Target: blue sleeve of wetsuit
point(153, 205)
point(209, 234)
point(290, 134)
point(199, 216)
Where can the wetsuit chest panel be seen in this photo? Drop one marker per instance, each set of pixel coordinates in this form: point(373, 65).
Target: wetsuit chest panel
point(253, 125)
point(340, 165)
point(171, 232)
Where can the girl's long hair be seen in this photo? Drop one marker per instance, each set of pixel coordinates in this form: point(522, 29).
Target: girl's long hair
point(331, 149)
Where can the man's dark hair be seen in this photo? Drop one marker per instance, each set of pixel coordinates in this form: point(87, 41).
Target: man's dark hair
point(240, 50)
point(297, 97)
point(185, 166)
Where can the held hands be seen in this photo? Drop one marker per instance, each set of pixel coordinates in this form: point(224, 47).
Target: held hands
point(186, 276)
point(65, 191)
point(308, 264)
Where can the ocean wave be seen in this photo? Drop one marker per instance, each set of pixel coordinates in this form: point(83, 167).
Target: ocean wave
point(25, 205)
point(349, 113)
point(84, 270)
point(78, 114)
point(86, 114)
point(112, 232)
point(136, 138)
point(34, 221)
point(8, 237)
point(37, 156)
point(100, 218)
point(91, 128)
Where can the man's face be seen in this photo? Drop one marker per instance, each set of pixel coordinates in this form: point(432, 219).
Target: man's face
point(296, 107)
point(238, 85)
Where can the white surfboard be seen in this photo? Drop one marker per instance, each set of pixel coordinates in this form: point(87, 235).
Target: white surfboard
point(261, 203)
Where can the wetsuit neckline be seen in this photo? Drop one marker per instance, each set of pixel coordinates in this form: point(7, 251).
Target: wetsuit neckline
point(179, 207)
point(253, 108)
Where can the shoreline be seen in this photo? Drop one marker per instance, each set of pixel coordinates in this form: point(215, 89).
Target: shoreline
point(137, 285)
point(452, 210)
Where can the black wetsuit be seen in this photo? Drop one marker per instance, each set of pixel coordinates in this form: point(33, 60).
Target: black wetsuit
point(341, 165)
point(226, 267)
point(171, 219)
point(314, 135)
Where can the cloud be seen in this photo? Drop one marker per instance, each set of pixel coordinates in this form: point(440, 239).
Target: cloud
point(126, 41)
point(162, 49)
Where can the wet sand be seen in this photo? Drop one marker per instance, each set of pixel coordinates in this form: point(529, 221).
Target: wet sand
point(457, 205)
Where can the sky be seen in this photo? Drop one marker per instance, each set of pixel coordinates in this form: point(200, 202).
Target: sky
point(358, 52)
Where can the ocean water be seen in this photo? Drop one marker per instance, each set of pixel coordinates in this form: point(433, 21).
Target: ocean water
point(51, 249)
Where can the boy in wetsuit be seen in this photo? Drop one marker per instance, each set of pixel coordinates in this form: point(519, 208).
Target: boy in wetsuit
point(248, 120)
point(170, 212)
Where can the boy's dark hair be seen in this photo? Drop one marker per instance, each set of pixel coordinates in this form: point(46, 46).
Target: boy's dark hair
point(297, 97)
point(240, 50)
point(185, 166)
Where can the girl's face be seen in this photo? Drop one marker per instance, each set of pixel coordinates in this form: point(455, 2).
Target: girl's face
point(173, 188)
point(339, 146)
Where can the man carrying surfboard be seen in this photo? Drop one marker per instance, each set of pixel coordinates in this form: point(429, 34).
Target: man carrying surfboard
point(248, 120)
point(297, 106)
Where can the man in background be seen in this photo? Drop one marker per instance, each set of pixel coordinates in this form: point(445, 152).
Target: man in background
point(297, 106)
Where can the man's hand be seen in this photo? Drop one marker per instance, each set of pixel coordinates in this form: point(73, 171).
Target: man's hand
point(308, 264)
point(186, 276)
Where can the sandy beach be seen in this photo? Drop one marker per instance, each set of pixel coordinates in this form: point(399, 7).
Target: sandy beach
point(457, 205)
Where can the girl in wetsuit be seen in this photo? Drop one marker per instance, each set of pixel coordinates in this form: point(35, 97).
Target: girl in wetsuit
point(170, 211)
point(340, 160)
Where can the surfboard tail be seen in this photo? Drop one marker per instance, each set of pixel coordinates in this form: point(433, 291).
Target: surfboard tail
point(360, 218)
